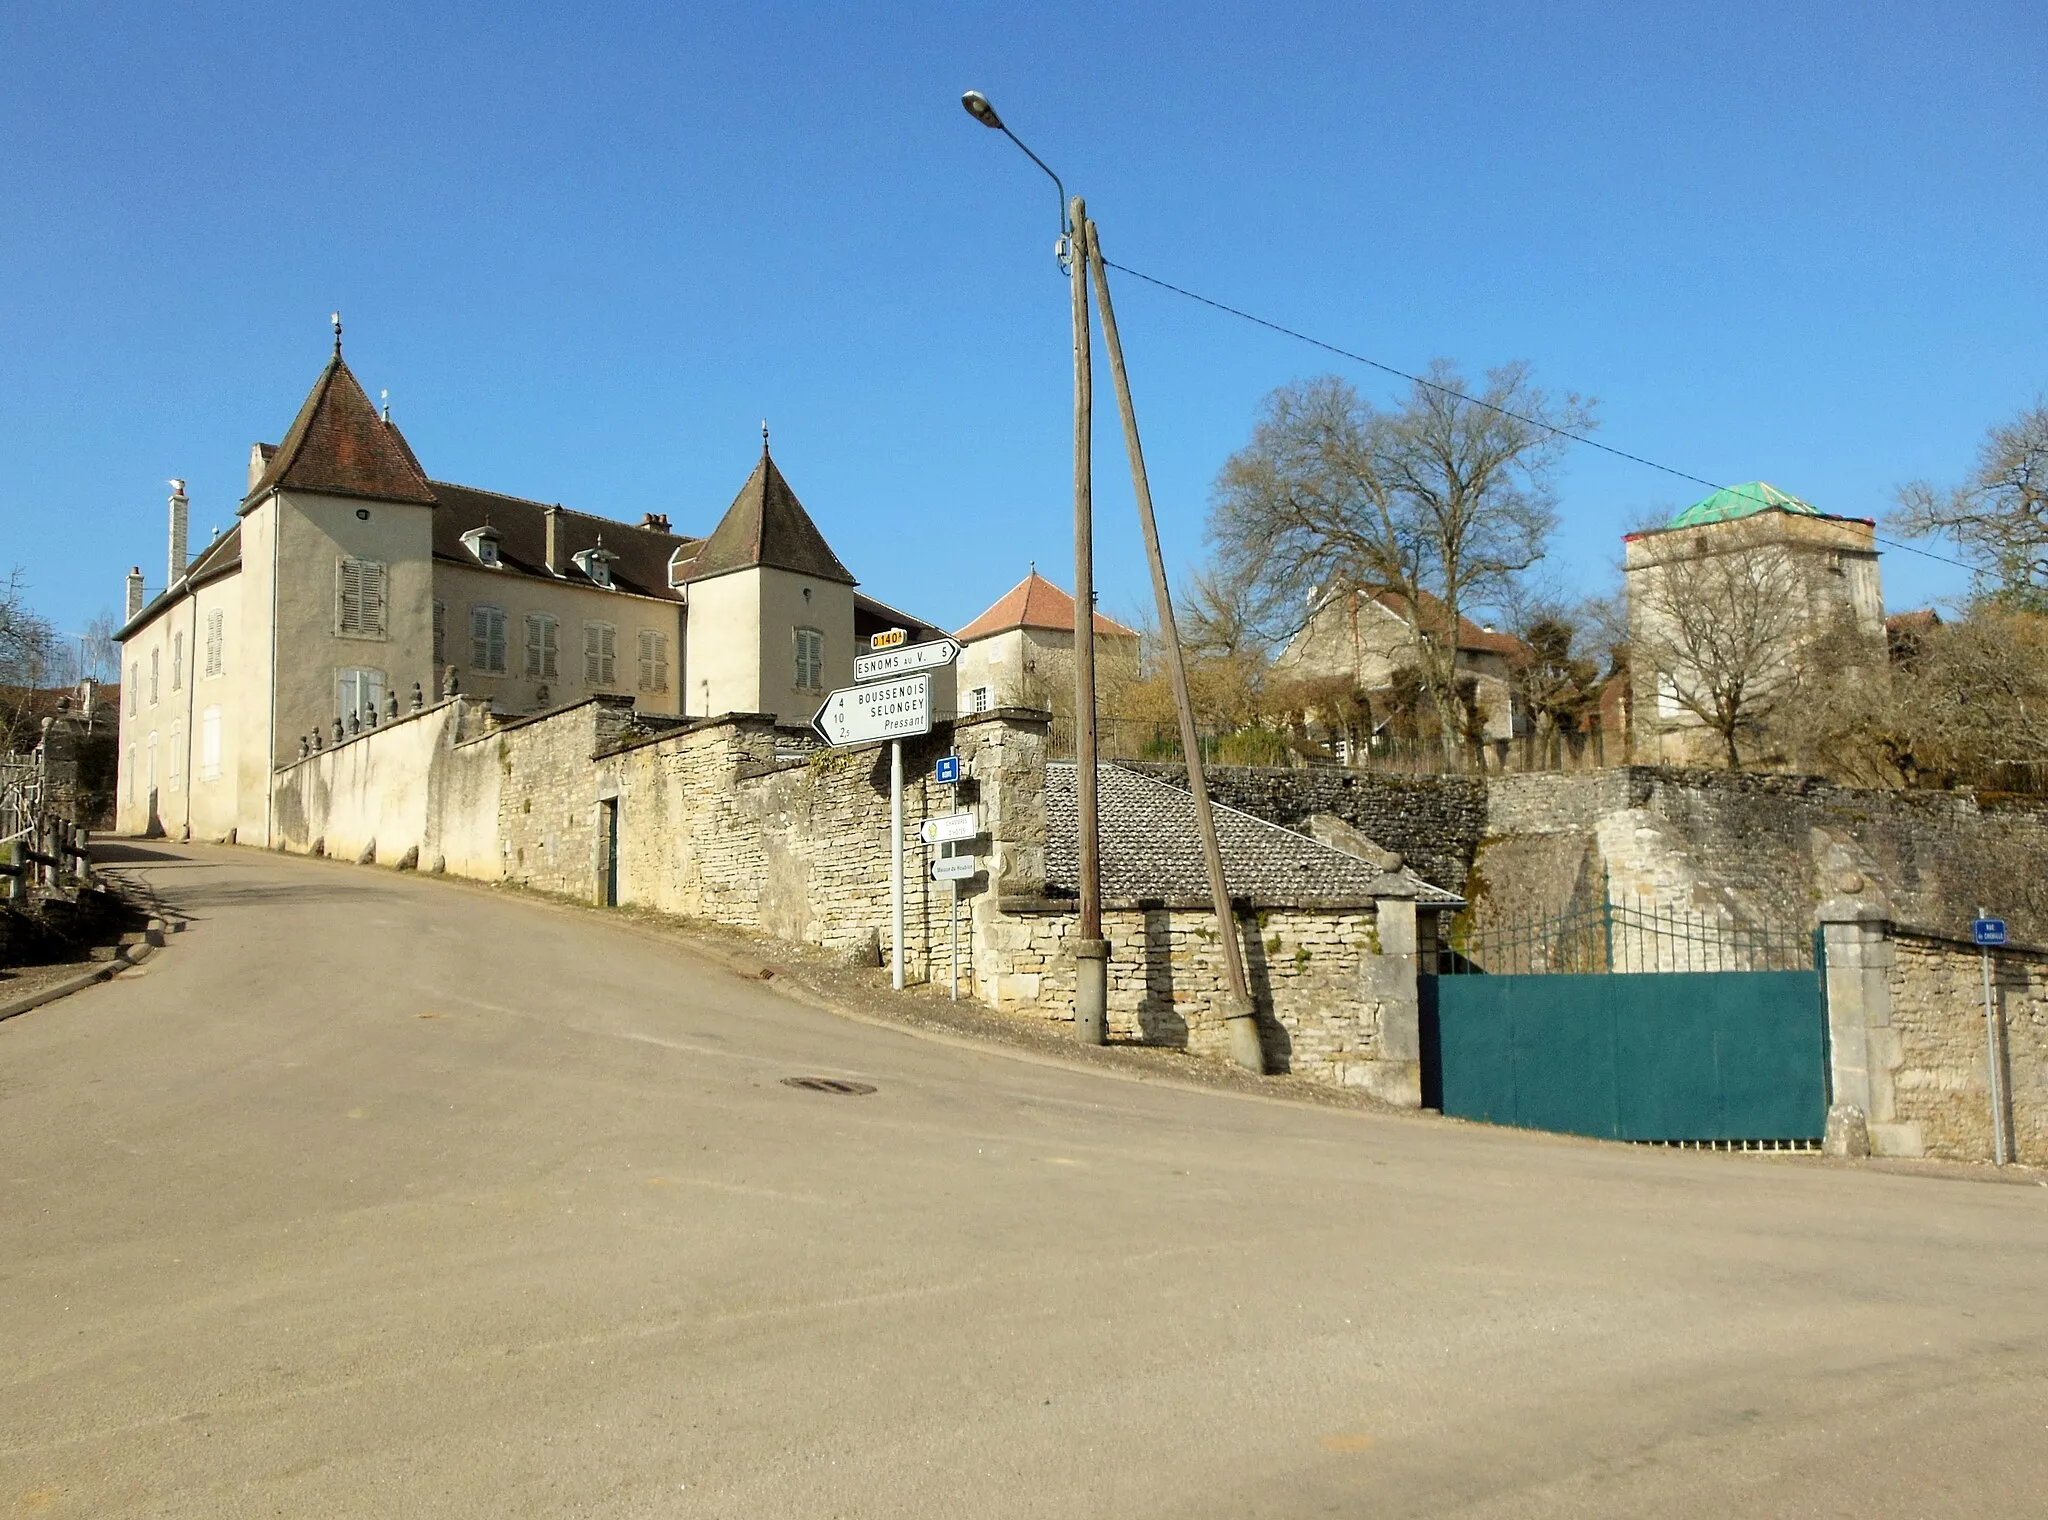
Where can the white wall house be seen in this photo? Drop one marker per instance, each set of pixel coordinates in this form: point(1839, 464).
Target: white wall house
point(351, 581)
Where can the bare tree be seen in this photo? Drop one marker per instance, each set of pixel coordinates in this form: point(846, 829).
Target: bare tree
point(27, 650)
point(1716, 630)
point(1549, 672)
point(1998, 517)
point(1441, 502)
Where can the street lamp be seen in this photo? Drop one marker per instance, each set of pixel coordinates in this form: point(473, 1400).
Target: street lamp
point(1091, 950)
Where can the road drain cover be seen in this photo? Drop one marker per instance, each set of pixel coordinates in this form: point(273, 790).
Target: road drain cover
point(843, 1088)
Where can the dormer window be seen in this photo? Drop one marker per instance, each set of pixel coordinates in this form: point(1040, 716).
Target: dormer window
point(596, 563)
point(483, 543)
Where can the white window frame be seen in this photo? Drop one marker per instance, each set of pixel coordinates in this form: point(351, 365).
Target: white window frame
point(487, 638)
point(810, 659)
point(362, 597)
point(981, 699)
point(543, 647)
point(600, 654)
point(359, 690)
point(134, 687)
point(653, 660)
point(177, 752)
point(178, 661)
point(216, 641)
point(209, 744)
point(155, 669)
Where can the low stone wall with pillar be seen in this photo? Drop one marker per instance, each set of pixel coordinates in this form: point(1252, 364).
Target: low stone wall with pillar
point(1911, 1051)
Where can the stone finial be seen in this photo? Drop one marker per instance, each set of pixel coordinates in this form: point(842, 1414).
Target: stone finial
point(391, 705)
point(419, 698)
point(305, 748)
point(355, 723)
point(370, 715)
point(449, 685)
point(339, 733)
point(316, 741)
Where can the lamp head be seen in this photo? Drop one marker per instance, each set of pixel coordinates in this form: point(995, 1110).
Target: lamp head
point(977, 106)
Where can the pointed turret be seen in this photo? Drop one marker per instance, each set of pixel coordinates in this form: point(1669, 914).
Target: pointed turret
point(766, 526)
point(338, 444)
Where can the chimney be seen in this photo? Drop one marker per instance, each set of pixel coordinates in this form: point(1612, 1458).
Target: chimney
point(658, 521)
point(134, 592)
point(554, 522)
point(181, 514)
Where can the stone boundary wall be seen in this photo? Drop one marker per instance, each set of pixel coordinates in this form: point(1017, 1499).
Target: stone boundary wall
point(719, 819)
point(1434, 823)
point(1329, 999)
point(1940, 1075)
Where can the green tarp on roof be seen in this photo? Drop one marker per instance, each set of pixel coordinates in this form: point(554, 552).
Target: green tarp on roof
point(1731, 502)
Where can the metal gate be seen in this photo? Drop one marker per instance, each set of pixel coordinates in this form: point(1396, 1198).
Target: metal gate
point(21, 794)
point(1631, 1024)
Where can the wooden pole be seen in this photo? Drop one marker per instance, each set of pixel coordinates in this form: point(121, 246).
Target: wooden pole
point(1091, 951)
point(1242, 1021)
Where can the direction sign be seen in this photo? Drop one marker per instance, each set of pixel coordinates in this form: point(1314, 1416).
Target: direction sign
point(896, 662)
point(896, 709)
point(1988, 931)
point(888, 638)
point(954, 868)
point(947, 771)
point(949, 828)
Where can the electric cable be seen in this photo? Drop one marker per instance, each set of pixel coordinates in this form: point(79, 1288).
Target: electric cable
point(1445, 390)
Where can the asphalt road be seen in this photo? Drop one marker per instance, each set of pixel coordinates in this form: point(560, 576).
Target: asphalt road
point(384, 1196)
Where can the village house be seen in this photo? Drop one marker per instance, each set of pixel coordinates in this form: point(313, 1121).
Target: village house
point(1020, 652)
point(353, 587)
point(1366, 638)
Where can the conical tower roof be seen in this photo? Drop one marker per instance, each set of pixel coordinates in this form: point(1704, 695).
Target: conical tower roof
point(767, 526)
point(340, 445)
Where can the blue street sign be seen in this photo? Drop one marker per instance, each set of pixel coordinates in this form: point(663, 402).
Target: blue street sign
point(1988, 931)
point(947, 770)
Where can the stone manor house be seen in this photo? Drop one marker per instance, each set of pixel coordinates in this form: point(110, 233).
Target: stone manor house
point(353, 587)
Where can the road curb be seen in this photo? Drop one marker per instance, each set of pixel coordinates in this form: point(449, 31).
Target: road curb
point(125, 957)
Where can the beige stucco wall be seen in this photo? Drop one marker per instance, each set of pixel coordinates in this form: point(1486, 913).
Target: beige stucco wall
point(461, 587)
point(1034, 667)
point(742, 643)
point(184, 798)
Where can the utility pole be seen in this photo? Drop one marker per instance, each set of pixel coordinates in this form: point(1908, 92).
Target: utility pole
point(1240, 1018)
point(1091, 950)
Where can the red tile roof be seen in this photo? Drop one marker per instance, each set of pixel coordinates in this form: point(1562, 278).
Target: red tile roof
point(339, 444)
point(767, 525)
point(1035, 602)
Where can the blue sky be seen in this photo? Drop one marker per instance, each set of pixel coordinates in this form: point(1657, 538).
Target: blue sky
point(587, 249)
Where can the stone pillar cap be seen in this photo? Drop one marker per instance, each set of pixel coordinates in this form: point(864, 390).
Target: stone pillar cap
point(1852, 910)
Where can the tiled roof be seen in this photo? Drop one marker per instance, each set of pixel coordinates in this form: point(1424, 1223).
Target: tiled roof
point(1470, 634)
point(643, 553)
point(1035, 602)
point(767, 525)
point(338, 443)
point(1150, 849)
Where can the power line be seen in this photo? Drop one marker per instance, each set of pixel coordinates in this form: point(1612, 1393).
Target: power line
point(1445, 390)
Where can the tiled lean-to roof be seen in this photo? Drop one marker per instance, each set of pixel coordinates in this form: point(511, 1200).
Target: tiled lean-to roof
point(1150, 850)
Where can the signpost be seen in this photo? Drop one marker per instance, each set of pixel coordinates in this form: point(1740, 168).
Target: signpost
point(894, 702)
point(1989, 933)
point(949, 828)
point(955, 868)
point(936, 655)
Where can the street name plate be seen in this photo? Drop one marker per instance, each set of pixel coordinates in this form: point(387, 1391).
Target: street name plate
point(896, 662)
point(899, 709)
point(947, 771)
point(1988, 931)
point(949, 828)
point(954, 868)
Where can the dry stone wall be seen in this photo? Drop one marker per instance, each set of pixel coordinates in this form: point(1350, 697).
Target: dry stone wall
point(1939, 1051)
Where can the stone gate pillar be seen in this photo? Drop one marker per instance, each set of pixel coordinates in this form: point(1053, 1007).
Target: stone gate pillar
point(1863, 1048)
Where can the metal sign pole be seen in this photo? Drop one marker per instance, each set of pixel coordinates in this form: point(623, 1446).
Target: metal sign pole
point(953, 976)
point(896, 862)
point(1998, 1156)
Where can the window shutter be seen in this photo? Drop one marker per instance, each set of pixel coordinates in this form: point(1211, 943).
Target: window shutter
point(375, 593)
point(440, 636)
point(497, 640)
point(215, 639)
point(348, 596)
point(590, 654)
